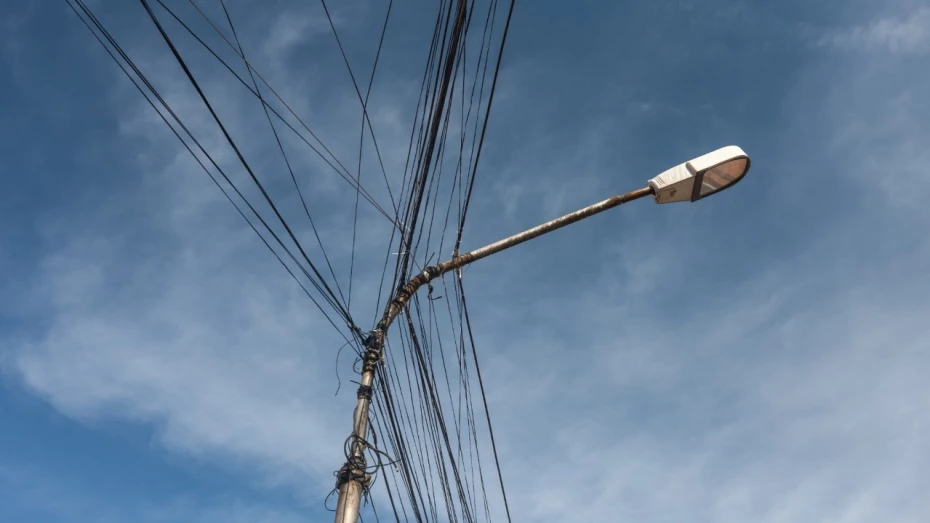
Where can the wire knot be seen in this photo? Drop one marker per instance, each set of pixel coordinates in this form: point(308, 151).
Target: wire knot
point(353, 470)
point(374, 350)
point(364, 392)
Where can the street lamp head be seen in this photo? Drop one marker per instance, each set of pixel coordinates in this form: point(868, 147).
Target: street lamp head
point(702, 176)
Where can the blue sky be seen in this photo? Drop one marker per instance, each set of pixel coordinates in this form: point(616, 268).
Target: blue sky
point(757, 356)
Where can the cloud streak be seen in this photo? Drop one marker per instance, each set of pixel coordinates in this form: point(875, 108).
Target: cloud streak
point(897, 34)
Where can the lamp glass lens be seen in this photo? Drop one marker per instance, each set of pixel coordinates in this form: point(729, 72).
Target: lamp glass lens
point(719, 177)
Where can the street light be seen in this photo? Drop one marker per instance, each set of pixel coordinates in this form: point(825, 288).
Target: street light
point(702, 176)
point(687, 182)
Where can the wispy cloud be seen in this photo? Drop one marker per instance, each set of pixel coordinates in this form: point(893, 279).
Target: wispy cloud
point(907, 33)
point(872, 102)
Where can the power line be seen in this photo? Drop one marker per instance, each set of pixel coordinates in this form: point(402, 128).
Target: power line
point(342, 171)
point(361, 141)
point(116, 47)
point(484, 398)
point(423, 412)
point(358, 91)
point(287, 162)
point(340, 307)
point(484, 126)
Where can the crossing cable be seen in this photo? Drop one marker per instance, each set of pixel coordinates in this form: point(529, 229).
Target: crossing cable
point(358, 91)
point(340, 307)
point(407, 166)
point(287, 162)
point(119, 50)
point(431, 140)
point(361, 141)
point(341, 170)
point(484, 127)
point(484, 399)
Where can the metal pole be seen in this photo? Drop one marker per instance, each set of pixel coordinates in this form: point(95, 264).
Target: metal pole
point(351, 478)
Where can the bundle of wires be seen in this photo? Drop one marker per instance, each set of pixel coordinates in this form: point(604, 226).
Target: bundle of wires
point(431, 443)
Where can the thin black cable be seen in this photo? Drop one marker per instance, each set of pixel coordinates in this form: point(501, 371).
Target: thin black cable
point(407, 417)
point(466, 117)
point(431, 393)
point(405, 470)
point(472, 164)
point(155, 93)
point(433, 402)
point(435, 410)
point(420, 102)
point(287, 162)
point(361, 141)
point(442, 150)
point(484, 398)
point(411, 210)
point(470, 416)
point(325, 296)
point(338, 379)
point(343, 172)
point(387, 476)
point(484, 126)
point(316, 285)
point(413, 419)
point(418, 133)
point(401, 445)
point(358, 92)
point(435, 122)
point(340, 307)
point(222, 172)
point(462, 381)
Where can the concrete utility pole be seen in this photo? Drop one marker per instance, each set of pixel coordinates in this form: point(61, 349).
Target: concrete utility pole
point(684, 182)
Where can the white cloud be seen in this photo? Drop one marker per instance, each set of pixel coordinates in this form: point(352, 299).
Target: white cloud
point(905, 34)
point(870, 102)
point(293, 28)
point(220, 359)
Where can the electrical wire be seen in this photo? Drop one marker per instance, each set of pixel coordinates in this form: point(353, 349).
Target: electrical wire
point(361, 141)
point(424, 413)
point(154, 92)
point(287, 162)
point(331, 296)
point(332, 160)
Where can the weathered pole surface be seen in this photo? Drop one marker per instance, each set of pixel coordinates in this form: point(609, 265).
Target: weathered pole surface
point(352, 478)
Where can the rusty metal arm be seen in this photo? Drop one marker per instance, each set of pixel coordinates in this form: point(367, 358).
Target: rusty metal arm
point(457, 262)
point(352, 478)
